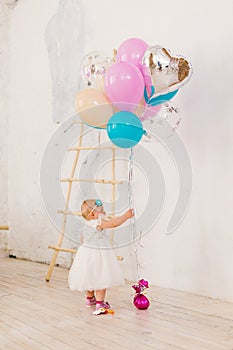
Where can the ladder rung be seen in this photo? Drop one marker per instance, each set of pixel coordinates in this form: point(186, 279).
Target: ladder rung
point(65, 212)
point(4, 227)
point(99, 181)
point(59, 249)
point(77, 213)
point(91, 148)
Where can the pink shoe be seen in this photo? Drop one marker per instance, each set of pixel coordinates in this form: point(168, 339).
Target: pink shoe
point(102, 308)
point(90, 302)
point(103, 305)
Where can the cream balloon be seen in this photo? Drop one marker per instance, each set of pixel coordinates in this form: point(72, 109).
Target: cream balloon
point(99, 84)
point(93, 107)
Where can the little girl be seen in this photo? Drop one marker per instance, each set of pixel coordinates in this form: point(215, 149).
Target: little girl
point(95, 266)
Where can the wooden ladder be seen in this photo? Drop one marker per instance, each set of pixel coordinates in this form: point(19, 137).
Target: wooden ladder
point(58, 248)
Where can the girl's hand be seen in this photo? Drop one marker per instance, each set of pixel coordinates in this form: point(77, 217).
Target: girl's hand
point(129, 213)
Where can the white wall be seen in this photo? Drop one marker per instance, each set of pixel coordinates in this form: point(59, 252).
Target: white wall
point(30, 129)
point(198, 256)
point(4, 117)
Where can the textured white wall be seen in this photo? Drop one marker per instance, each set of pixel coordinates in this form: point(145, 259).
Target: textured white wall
point(198, 256)
point(64, 40)
point(30, 129)
point(4, 117)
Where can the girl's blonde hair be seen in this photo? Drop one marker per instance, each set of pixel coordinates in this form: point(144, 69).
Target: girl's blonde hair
point(86, 207)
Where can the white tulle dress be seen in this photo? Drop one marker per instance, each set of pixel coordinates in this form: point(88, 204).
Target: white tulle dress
point(95, 265)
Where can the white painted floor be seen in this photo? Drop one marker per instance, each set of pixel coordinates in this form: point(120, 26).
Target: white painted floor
point(35, 314)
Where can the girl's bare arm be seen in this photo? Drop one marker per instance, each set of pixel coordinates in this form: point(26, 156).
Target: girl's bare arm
point(119, 220)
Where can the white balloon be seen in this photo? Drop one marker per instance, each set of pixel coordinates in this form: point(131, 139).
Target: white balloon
point(93, 67)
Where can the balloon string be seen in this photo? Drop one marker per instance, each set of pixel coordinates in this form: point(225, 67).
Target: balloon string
point(132, 205)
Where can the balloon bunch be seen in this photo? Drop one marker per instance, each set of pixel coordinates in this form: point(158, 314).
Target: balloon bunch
point(123, 91)
point(140, 300)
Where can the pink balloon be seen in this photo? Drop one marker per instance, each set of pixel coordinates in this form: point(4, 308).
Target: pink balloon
point(132, 51)
point(150, 112)
point(147, 78)
point(124, 86)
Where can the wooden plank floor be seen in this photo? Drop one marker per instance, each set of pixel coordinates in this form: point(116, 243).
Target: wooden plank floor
point(35, 315)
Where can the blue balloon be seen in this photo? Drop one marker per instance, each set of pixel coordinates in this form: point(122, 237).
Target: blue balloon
point(125, 129)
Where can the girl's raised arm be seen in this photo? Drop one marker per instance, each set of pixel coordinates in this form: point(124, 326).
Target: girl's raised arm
point(117, 221)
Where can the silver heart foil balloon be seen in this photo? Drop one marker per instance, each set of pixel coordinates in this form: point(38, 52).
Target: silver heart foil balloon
point(168, 73)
